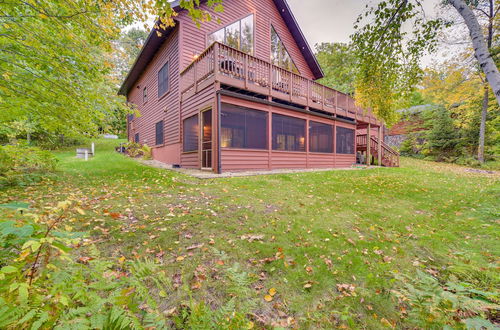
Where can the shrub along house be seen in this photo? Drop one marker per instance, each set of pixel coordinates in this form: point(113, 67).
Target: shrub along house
point(241, 94)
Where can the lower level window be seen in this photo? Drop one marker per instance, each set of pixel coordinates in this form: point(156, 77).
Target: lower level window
point(190, 134)
point(289, 133)
point(243, 128)
point(136, 138)
point(159, 133)
point(320, 137)
point(345, 140)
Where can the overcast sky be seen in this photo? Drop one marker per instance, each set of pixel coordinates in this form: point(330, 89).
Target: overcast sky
point(333, 20)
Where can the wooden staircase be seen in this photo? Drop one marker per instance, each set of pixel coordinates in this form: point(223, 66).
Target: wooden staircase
point(389, 157)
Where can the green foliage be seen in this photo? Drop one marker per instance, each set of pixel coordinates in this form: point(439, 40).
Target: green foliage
point(413, 145)
point(433, 305)
point(230, 315)
point(57, 71)
point(21, 165)
point(43, 285)
point(442, 138)
point(137, 150)
point(127, 49)
point(388, 54)
point(339, 66)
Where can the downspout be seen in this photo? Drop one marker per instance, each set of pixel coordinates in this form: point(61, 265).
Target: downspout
point(219, 153)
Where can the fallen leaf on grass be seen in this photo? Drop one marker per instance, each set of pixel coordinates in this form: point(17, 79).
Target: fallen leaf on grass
point(179, 258)
point(272, 292)
point(252, 238)
point(195, 246)
point(268, 298)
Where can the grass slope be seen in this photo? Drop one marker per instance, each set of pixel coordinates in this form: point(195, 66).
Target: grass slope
point(335, 246)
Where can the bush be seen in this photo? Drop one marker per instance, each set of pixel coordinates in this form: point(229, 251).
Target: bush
point(51, 278)
point(136, 150)
point(21, 165)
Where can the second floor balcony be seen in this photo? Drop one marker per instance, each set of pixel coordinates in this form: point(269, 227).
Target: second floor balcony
point(233, 68)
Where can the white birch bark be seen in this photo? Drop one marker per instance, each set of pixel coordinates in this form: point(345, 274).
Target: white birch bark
point(480, 47)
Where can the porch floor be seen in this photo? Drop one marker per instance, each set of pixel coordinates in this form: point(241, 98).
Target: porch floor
point(210, 175)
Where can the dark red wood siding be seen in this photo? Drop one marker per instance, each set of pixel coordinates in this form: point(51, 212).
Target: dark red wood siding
point(193, 39)
point(166, 107)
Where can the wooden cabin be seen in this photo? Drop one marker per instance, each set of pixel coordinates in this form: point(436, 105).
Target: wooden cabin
point(241, 95)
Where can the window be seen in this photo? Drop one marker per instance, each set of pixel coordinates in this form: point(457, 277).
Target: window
point(289, 133)
point(159, 133)
point(145, 95)
point(163, 80)
point(345, 140)
point(136, 138)
point(279, 55)
point(130, 117)
point(239, 35)
point(320, 137)
point(243, 128)
point(190, 136)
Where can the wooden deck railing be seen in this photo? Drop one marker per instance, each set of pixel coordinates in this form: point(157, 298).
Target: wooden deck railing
point(390, 157)
point(232, 67)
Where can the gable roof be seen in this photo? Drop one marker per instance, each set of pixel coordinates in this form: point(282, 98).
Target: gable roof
point(154, 42)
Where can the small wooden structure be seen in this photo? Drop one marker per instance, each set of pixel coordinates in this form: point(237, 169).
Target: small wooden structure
point(85, 153)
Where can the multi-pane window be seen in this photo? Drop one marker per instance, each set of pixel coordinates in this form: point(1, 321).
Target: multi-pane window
point(190, 134)
point(239, 35)
point(145, 95)
point(159, 133)
point(289, 133)
point(163, 80)
point(136, 138)
point(320, 137)
point(279, 55)
point(345, 140)
point(243, 128)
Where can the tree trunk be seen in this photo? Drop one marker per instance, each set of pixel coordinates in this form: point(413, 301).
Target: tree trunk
point(480, 47)
point(482, 129)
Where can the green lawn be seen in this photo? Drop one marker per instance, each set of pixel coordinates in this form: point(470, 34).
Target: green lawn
point(340, 248)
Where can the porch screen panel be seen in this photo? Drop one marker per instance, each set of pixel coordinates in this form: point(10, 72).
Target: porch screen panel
point(190, 134)
point(345, 140)
point(289, 134)
point(243, 128)
point(320, 137)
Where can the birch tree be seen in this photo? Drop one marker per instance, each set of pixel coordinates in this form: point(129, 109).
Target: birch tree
point(390, 46)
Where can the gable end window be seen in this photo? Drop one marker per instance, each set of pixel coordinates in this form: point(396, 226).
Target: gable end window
point(279, 55)
point(163, 80)
point(239, 35)
point(159, 133)
point(144, 95)
point(345, 140)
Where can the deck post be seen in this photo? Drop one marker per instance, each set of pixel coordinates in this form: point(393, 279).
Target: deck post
point(216, 61)
point(368, 144)
point(291, 86)
point(270, 79)
point(323, 97)
point(245, 71)
point(379, 151)
point(308, 98)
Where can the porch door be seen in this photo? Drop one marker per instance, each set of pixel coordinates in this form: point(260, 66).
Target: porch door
point(206, 139)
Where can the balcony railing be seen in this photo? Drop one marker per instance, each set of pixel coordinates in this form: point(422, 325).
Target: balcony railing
point(234, 68)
